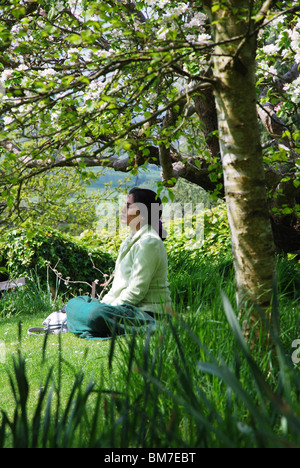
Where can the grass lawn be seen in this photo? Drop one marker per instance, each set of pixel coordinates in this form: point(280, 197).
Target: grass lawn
point(76, 355)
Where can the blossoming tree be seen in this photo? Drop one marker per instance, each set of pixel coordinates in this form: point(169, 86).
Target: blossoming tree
point(124, 83)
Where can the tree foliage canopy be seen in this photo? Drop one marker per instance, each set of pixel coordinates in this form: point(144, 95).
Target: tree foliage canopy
point(123, 83)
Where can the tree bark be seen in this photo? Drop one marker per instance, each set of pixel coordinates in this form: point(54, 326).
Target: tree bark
point(244, 177)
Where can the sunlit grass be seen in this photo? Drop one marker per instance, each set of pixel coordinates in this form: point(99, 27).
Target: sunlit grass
point(189, 384)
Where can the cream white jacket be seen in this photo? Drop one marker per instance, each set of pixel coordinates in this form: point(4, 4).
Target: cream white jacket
point(141, 273)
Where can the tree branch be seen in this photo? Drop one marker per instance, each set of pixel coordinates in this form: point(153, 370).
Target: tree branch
point(262, 14)
point(288, 77)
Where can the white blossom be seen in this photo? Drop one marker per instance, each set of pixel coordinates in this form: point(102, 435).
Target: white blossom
point(73, 51)
point(272, 70)
point(48, 72)
point(104, 53)
point(7, 120)
point(180, 9)
point(22, 67)
point(6, 75)
point(157, 3)
point(94, 90)
point(278, 21)
point(270, 49)
point(297, 86)
point(269, 70)
point(59, 6)
point(96, 85)
point(162, 33)
point(293, 90)
point(203, 38)
point(295, 41)
point(197, 21)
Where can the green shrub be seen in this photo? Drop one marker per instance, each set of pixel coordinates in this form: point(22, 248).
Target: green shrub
point(102, 239)
point(29, 300)
point(26, 252)
point(217, 242)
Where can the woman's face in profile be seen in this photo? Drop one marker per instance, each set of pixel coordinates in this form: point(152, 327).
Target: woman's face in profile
point(130, 213)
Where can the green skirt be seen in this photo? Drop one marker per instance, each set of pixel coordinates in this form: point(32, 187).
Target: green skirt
point(90, 319)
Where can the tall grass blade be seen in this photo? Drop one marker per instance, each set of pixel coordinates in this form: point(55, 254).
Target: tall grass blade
point(4, 424)
point(264, 388)
point(224, 374)
point(38, 415)
point(48, 440)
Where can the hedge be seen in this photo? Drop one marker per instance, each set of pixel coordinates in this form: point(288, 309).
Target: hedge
point(27, 253)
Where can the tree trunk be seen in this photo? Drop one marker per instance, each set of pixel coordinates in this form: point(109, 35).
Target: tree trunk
point(244, 178)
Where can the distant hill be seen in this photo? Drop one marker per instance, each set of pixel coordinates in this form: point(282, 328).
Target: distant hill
point(184, 192)
point(147, 177)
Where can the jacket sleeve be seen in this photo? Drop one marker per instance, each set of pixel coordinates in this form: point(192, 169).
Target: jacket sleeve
point(145, 264)
point(108, 298)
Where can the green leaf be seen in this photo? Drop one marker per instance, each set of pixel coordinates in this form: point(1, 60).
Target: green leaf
point(66, 80)
point(10, 201)
point(215, 8)
point(296, 183)
point(18, 12)
point(75, 39)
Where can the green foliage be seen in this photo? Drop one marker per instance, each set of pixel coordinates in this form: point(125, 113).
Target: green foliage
point(102, 240)
point(32, 299)
point(216, 241)
point(193, 383)
point(181, 239)
point(118, 68)
point(26, 251)
point(216, 232)
point(61, 200)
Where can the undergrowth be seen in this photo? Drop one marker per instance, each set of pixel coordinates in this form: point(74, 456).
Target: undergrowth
point(191, 383)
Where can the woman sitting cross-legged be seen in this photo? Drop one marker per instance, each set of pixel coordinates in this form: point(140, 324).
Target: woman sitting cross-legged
point(140, 289)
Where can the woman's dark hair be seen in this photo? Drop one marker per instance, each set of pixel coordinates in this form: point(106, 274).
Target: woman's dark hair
point(150, 208)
